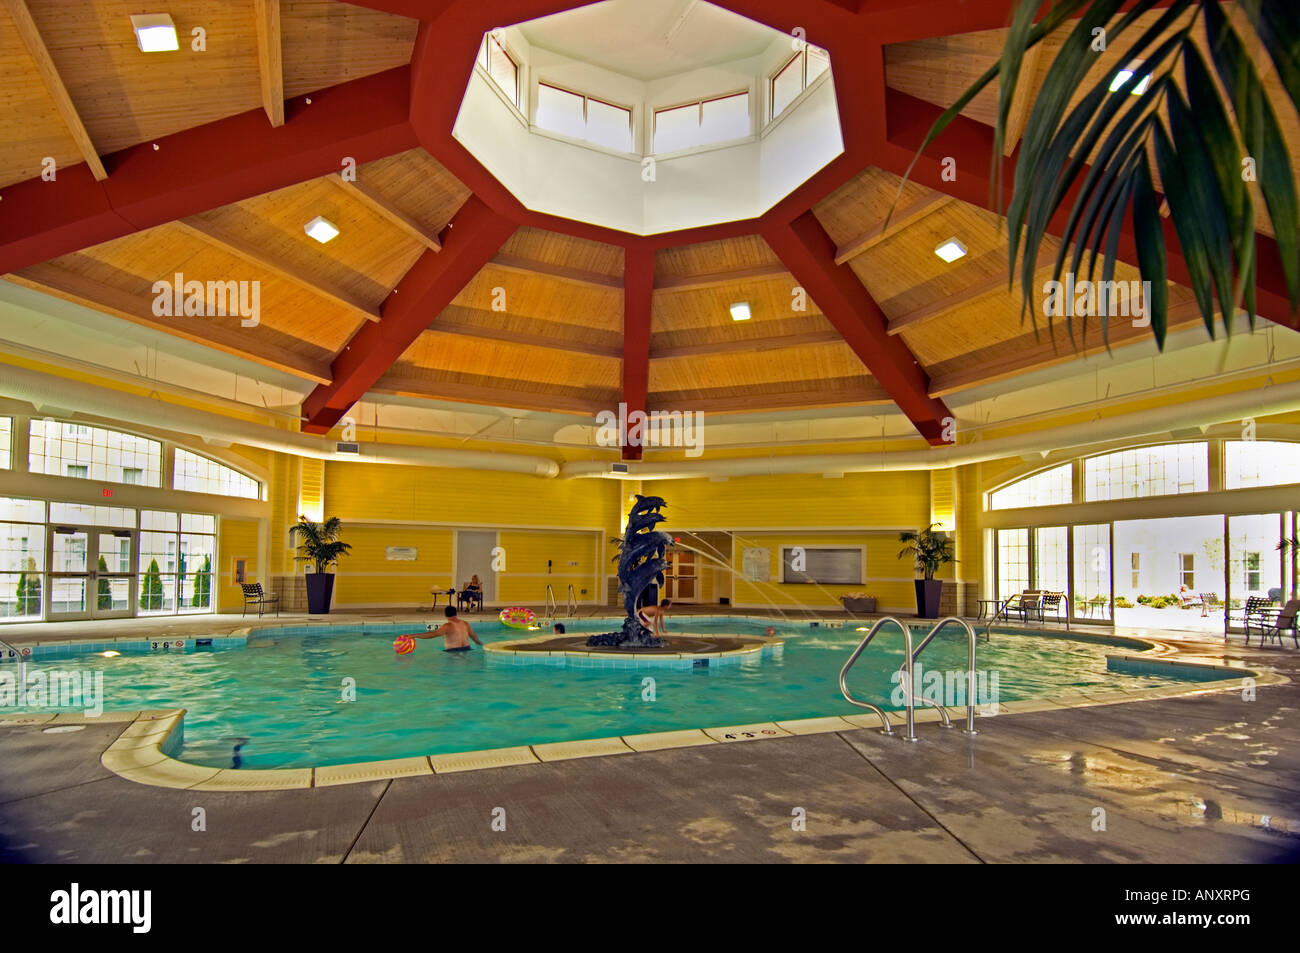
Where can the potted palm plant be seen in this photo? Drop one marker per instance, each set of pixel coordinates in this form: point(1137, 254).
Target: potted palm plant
point(319, 544)
point(928, 549)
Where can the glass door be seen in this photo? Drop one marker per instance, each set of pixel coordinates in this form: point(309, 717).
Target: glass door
point(90, 575)
point(114, 573)
point(1093, 583)
point(69, 587)
point(679, 578)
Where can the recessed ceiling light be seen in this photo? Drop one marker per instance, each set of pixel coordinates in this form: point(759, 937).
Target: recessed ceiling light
point(321, 229)
point(951, 250)
point(1124, 75)
point(154, 32)
point(740, 311)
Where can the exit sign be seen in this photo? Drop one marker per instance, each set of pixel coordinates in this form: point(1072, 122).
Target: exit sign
point(106, 491)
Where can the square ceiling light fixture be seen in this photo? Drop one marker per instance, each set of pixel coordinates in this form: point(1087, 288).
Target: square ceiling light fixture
point(321, 229)
point(740, 311)
point(1124, 75)
point(154, 32)
point(951, 250)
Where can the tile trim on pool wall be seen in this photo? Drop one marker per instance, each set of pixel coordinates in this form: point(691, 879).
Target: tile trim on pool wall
point(143, 752)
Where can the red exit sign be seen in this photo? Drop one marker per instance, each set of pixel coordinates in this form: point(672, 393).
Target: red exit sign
point(106, 491)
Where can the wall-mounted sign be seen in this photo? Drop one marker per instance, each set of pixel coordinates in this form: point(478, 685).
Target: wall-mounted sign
point(404, 554)
point(756, 564)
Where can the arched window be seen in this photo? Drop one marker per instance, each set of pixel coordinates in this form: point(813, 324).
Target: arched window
point(1250, 463)
point(201, 475)
point(59, 448)
point(1047, 488)
point(1147, 471)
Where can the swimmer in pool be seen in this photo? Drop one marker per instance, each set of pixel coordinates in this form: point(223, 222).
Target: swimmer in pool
point(455, 632)
point(652, 617)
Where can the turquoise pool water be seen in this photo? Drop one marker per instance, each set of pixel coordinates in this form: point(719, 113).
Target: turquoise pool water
point(280, 701)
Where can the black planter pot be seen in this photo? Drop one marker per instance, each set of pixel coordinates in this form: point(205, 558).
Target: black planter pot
point(927, 597)
point(320, 587)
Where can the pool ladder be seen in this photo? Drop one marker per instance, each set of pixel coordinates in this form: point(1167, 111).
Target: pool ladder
point(570, 604)
point(905, 676)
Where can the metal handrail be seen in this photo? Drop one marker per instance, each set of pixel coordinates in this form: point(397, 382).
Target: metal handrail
point(988, 627)
point(550, 603)
point(18, 655)
point(886, 728)
point(571, 603)
point(970, 671)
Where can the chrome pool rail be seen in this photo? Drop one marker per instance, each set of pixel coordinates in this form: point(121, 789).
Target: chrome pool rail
point(885, 727)
point(970, 670)
point(550, 605)
point(906, 675)
point(571, 603)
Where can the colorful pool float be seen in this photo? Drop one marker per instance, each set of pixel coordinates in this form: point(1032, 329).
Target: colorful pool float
point(518, 617)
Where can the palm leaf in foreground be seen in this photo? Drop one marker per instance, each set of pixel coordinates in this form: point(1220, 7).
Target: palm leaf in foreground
point(1203, 147)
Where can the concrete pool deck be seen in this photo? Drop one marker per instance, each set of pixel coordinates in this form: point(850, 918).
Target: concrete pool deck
point(1209, 778)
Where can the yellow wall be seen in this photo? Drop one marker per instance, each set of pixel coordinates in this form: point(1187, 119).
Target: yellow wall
point(525, 577)
point(366, 577)
point(858, 509)
point(235, 538)
point(375, 492)
point(888, 578)
point(536, 519)
point(889, 500)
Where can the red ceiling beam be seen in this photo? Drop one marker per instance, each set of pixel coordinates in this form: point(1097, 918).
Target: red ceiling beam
point(809, 253)
point(970, 143)
point(204, 168)
point(473, 236)
point(638, 298)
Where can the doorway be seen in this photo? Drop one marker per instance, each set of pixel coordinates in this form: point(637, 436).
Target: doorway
point(474, 558)
point(1169, 573)
point(91, 575)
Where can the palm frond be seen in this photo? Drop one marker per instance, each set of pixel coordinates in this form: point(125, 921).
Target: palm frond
point(1203, 120)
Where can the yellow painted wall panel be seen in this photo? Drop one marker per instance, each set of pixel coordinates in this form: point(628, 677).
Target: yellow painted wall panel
point(887, 578)
point(368, 491)
point(795, 500)
point(367, 577)
point(235, 538)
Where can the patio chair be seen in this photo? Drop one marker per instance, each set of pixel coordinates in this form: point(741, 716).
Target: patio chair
point(470, 598)
point(1190, 600)
point(1255, 612)
point(1209, 603)
point(254, 596)
point(1028, 604)
point(1272, 626)
point(1051, 602)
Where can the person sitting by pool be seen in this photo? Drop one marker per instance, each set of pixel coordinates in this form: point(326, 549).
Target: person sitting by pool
point(652, 617)
point(472, 592)
point(455, 632)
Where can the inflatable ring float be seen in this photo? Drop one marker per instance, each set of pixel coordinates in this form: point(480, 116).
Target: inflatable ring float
point(518, 617)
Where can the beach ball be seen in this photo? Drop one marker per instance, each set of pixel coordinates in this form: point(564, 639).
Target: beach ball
point(404, 645)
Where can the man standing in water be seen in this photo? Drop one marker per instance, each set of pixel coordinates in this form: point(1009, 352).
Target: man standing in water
point(455, 632)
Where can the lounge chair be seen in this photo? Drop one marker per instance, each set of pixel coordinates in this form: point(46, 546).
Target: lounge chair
point(254, 596)
point(1209, 603)
point(1190, 600)
point(1272, 626)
